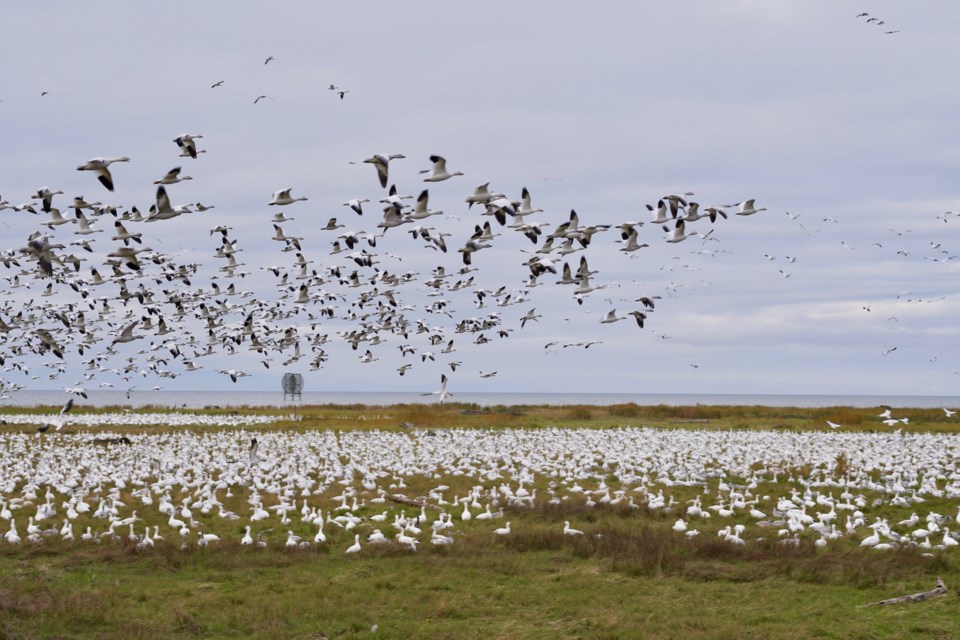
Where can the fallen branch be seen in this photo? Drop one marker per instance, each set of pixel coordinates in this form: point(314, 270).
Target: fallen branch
point(405, 500)
point(939, 590)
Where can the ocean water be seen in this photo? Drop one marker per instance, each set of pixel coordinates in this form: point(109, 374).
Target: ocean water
point(225, 399)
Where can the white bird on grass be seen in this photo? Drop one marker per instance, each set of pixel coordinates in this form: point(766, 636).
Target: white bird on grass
point(568, 530)
point(355, 547)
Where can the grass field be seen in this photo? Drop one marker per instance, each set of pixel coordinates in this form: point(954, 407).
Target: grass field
point(629, 576)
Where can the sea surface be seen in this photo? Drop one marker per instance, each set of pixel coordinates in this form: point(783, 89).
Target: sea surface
point(225, 399)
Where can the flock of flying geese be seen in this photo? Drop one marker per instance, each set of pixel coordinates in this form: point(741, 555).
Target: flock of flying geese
point(877, 22)
point(73, 299)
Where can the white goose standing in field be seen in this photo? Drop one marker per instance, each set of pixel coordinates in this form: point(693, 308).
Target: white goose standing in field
point(11, 536)
point(283, 197)
point(569, 531)
point(100, 166)
point(355, 547)
point(439, 171)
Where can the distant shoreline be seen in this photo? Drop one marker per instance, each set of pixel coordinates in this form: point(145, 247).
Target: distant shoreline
point(229, 400)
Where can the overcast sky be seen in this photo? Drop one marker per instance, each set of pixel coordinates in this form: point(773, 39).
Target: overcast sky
point(845, 134)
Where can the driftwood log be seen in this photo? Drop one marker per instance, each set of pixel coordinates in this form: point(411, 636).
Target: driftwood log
point(939, 590)
point(393, 497)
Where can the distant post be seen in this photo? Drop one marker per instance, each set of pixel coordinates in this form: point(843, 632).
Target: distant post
point(292, 385)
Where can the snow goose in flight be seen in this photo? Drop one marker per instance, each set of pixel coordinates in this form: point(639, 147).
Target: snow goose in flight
point(639, 316)
point(612, 317)
point(525, 208)
point(420, 211)
point(187, 144)
point(356, 204)
point(531, 315)
point(129, 256)
point(163, 210)
point(439, 173)
point(39, 248)
point(631, 242)
point(55, 219)
point(713, 212)
point(127, 334)
point(172, 177)
point(382, 163)
point(442, 393)
point(283, 197)
point(84, 224)
point(481, 195)
point(393, 217)
point(233, 373)
point(101, 167)
point(60, 420)
point(747, 207)
point(678, 234)
point(661, 213)
point(45, 196)
point(470, 247)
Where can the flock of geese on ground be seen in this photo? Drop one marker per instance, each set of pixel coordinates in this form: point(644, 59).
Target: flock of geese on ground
point(88, 286)
point(347, 490)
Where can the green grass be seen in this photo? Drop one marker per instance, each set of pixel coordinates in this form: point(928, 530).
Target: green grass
point(525, 588)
